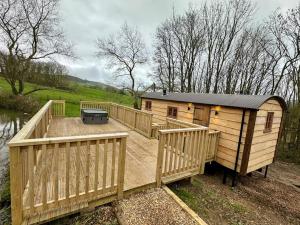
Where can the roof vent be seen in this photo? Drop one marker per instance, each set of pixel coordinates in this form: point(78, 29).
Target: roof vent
point(164, 92)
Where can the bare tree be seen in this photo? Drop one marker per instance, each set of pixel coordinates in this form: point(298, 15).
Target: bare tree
point(123, 52)
point(29, 30)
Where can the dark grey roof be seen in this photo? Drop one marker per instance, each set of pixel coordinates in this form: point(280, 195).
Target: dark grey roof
point(238, 101)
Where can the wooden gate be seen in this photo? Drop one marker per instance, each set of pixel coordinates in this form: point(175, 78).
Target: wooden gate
point(181, 154)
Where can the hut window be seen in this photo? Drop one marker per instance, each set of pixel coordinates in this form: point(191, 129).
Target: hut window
point(148, 105)
point(269, 122)
point(172, 112)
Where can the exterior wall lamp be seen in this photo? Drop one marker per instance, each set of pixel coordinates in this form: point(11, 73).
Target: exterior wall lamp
point(217, 109)
point(190, 106)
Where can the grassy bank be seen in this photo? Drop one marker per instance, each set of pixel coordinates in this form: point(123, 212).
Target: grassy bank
point(72, 97)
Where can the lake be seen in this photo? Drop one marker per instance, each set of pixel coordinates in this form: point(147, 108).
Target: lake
point(10, 123)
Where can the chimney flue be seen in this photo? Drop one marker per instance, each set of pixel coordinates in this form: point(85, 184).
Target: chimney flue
point(164, 92)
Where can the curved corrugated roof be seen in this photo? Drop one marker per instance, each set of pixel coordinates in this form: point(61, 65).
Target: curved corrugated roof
point(238, 101)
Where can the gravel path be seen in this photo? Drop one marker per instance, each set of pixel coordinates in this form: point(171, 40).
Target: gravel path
point(152, 207)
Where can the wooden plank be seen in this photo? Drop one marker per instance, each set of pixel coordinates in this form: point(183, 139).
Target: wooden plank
point(248, 142)
point(105, 164)
point(77, 179)
point(87, 168)
point(113, 161)
point(187, 209)
point(56, 160)
point(16, 185)
point(96, 166)
point(121, 167)
point(160, 158)
point(44, 176)
point(67, 170)
point(31, 177)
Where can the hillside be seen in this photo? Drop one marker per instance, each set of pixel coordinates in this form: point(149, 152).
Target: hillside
point(79, 92)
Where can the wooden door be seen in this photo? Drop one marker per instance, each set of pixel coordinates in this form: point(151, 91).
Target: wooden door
point(201, 115)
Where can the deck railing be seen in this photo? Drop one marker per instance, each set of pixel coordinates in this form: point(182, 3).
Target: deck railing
point(212, 145)
point(136, 119)
point(72, 171)
point(181, 153)
point(171, 124)
point(213, 136)
point(58, 108)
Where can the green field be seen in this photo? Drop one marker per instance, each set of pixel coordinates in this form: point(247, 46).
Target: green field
point(79, 92)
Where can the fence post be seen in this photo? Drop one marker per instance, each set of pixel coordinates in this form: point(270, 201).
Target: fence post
point(205, 149)
point(216, 145)
point(16, 187)
point(121, 167)
point(160, 159)
point(150, 126)
point(64, 108)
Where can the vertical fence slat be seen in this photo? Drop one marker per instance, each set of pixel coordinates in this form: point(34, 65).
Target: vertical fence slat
point(96, 166)
point(31, 177)
point(159, 164)
point(44, 175)
point(172, 149)
point(87, 168)
point(77, 168)
point(121, 167)
point(167, 154)
point(67, 170)
point(56, 160)
point(112, 183)
point(105, 164)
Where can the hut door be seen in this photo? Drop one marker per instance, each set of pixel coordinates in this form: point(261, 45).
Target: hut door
point(201, 115)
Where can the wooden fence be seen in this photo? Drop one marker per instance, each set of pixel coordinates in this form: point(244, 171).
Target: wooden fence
point(58, 107)
point(212, 145)
point(136, 119)
point(181, 153)
point(66, 171)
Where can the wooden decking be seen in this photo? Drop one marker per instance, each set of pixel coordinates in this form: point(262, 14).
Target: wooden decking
point(60, 165)
point(141, 152)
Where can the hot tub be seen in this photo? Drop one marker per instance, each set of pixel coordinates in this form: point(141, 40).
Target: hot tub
point(94, 116)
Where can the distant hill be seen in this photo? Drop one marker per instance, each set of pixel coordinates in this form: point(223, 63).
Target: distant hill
point(90, 83)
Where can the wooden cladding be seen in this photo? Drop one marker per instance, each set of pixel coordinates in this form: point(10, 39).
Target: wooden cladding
point(269, 122)
point(172, 112)
point(148, 105)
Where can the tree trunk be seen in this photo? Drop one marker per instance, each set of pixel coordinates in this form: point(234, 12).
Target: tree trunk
point(21, 87)
point(14, 88)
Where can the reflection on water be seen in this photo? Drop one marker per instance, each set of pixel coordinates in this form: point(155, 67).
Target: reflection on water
point(10, 123)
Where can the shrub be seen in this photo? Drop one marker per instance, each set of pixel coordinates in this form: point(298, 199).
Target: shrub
point(23, 104)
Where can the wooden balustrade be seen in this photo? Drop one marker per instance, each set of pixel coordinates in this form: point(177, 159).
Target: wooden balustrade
point(212, 145)
point(181, 153)
point(136, 119)
point(171, 124)
point(65, 171)
point(95, 105)
point(58, 108)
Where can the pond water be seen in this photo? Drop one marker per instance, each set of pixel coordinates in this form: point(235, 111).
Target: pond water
point(10, 123)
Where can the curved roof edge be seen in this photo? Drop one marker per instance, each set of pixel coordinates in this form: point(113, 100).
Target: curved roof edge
point(236, 101)
point(280, 100)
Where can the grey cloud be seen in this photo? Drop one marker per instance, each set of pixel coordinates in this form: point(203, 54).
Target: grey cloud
point(86, 20)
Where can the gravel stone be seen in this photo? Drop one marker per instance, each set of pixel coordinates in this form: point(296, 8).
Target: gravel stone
point(152, 207)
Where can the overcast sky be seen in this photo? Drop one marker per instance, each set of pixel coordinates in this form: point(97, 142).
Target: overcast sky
point(86, 20)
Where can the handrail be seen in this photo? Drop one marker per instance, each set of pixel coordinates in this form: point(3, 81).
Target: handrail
point(29, 127)
point(170, 131)
point(57, 140)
